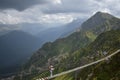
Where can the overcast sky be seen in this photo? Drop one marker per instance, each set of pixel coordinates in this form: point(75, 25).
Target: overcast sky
point(53, 11)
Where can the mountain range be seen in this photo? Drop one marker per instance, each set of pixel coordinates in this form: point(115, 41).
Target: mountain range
point(97, 35)
point(19, 41)
point(51, 34)
point(15, 48)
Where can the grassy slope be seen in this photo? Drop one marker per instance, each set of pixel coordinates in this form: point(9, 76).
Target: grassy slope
point(108, 41)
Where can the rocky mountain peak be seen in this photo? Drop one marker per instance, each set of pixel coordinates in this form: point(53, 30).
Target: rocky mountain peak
point(98, 18)
point(103, 15)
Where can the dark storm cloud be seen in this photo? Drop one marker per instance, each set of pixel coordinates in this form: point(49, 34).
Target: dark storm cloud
point(19, 4)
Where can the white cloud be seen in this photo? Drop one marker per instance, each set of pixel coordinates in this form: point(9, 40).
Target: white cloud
point(60, 11)
point(110, 6)
point(57, 1)
point(8, 19)
point(56, 18)
point(33, 16)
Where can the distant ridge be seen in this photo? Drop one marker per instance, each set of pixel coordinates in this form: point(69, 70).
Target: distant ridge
point(15, 48)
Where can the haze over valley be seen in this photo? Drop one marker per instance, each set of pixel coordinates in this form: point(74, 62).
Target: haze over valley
point(52, 39)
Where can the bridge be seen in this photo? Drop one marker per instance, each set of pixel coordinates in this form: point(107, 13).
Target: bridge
point(81, 67)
